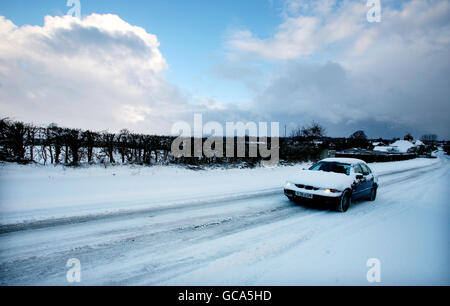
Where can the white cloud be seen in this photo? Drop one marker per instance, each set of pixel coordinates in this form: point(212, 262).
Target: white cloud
point(132, 114)
point(341, 28)
point(98, 72)
point(308, 27)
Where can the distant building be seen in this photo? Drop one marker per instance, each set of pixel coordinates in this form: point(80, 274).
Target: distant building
point(418, 143)
point(378, 144)
point(405, 146)
point(400, 146)
point(387, 149)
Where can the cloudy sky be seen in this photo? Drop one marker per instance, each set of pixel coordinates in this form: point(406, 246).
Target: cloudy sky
point(144, 65)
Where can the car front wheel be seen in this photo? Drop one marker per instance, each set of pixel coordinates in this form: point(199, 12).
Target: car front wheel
point(344, 202)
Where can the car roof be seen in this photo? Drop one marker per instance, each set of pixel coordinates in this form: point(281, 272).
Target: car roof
point(351, 161)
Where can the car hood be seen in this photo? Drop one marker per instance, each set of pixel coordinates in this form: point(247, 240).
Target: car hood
point(323, 179)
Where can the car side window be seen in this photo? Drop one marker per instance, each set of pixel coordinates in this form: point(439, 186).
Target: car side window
point(366, 170)
point(358, 169)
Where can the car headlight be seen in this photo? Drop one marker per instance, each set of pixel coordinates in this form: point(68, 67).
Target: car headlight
point(288, 184)
point(329, 190)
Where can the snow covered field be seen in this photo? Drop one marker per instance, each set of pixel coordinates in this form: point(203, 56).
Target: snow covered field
point(172, 226)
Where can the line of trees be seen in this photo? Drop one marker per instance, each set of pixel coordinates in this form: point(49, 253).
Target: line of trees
point(23, 143)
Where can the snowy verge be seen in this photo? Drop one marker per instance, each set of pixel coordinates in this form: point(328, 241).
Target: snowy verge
point(42, 194)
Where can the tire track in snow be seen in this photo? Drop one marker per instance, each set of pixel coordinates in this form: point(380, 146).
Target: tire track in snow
point(155, 245)
point(175, 206)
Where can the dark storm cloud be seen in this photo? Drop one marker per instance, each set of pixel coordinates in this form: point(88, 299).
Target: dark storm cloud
point(344, 102)
point(334, 67)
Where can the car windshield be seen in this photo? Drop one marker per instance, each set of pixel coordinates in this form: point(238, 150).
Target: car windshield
point(332, 167)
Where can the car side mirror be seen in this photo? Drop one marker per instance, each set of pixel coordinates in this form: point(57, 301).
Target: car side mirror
point(359, 176)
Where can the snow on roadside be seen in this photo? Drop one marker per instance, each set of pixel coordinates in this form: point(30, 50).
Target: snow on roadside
point(411, 242)
point(33, 192)
point(385, 168)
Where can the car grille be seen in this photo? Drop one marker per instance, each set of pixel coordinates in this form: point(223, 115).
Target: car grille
point(307, 187)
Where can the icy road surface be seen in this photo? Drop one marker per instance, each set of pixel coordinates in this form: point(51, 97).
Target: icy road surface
point(259, 240)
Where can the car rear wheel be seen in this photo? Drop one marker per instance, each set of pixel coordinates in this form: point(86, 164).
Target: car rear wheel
point(344, 202)
point(373, 194)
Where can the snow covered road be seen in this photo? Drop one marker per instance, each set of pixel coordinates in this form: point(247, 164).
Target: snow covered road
point(259, 240)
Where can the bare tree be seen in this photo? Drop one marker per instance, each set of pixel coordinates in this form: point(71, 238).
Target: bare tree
point(107, 140)
point(123, 148)
point(89, 141)
point(74, 143)
point(408, 137)
point(429, 138)
point(30, 138)
point(311, 132)
point(55, 137)
point(358, 140)
point(16, 135)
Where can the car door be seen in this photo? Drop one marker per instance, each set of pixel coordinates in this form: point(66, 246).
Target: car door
point(369, 180)
point(359, 186)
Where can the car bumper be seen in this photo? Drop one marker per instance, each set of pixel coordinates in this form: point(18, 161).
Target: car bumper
point(316, 198)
